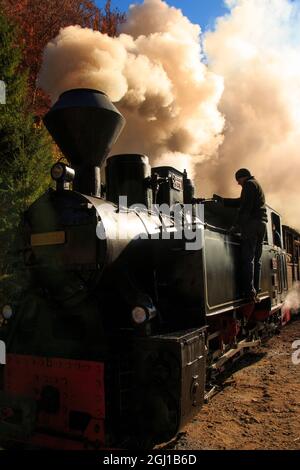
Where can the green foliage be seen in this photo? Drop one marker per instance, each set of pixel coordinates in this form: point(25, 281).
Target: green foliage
point(25, 158)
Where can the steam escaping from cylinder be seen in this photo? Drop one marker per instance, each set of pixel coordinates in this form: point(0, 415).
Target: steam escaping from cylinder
point(292, 301)
point(155, 73)
point(256, 48)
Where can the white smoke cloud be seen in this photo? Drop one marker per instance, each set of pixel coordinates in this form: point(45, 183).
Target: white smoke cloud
point(256, 49)
point(292, 301)
point(155, 73)
point(175, 104)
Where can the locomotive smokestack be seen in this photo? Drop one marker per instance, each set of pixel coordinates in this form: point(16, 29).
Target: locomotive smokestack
point(85, 125)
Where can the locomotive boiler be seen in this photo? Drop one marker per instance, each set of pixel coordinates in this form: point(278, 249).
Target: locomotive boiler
point(134, 304)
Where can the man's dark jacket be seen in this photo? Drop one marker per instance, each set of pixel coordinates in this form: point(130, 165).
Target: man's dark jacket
point(252, 203)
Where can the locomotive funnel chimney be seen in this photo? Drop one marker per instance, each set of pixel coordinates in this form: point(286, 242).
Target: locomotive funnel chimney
point(85, 125)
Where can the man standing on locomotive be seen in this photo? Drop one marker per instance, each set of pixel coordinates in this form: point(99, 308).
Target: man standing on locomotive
point(251, 222)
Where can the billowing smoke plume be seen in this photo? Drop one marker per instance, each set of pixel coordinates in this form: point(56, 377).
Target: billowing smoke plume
point(155, 73)
point(174, 104)
point(256, 48)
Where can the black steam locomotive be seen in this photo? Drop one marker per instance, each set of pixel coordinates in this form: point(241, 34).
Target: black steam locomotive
point(134, 304)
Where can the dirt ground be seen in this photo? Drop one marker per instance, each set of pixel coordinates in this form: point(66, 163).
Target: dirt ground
point(259, 407)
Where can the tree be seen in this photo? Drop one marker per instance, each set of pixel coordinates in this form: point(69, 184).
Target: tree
point(25, 153)
point(40, 21)
point(110, 20)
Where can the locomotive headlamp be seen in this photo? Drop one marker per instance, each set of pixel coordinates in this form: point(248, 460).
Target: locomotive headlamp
point(57, 171)
point(62, 172)
point(7, 312)
point(139, 315)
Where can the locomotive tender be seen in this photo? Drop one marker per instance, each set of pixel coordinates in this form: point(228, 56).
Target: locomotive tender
point(127, 319)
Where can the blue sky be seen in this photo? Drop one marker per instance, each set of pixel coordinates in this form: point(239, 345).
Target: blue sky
point(202, 12)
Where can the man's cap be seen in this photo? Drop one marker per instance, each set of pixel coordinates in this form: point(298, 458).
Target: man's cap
point(242, 173)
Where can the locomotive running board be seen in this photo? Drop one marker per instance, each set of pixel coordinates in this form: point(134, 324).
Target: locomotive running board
point(232, 352)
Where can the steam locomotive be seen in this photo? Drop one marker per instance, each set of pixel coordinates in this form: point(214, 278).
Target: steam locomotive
point(131, 311)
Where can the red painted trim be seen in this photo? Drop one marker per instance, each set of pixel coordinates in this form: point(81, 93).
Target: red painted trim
point(81, 389)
